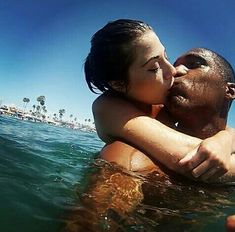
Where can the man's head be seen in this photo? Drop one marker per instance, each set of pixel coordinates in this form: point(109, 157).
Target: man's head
point(205, 91)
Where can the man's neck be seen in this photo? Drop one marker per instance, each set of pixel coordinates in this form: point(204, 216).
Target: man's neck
point(202, 128)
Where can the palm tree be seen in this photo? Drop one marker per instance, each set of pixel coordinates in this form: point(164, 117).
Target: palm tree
point(44, 109)
point(38, 109)
point(55, 117)
point(61, 113)
point(41, 99)
point(44, 112)
point(71, 116)
point(26, 101)
point(42, 103)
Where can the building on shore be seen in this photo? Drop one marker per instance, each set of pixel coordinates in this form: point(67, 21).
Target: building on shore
point(31, 116)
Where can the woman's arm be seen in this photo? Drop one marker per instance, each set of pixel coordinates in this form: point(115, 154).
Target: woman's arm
point(118, 119)
point(232, 132)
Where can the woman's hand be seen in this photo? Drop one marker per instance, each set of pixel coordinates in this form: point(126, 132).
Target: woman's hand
point(211, 159)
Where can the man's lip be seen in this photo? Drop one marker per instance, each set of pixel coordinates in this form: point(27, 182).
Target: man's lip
point(174, 88)
point(175, 91)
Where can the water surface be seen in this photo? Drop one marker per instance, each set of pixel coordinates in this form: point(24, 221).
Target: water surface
point(45, 182)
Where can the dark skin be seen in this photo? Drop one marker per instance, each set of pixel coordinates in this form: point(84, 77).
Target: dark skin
point(197, 101)
point(190, 120)
point(116, 189)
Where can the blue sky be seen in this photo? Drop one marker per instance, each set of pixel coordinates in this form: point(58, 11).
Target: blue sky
point(44, 42)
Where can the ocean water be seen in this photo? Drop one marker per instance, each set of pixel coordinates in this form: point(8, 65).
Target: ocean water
point(50, 180)
point(40, 169)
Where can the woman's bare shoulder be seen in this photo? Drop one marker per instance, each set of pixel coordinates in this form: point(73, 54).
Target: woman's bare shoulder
point(105, 101)
point(111, 113)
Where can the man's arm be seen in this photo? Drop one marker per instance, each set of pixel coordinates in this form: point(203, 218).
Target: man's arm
point(211, 159)
point(229, 177)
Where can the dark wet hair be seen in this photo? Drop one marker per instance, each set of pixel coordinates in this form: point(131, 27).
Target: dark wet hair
point(112, 52)
point(226, 71)
point(222, 65)
point(225, 68)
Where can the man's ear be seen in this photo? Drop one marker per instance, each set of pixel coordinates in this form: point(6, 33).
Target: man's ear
point(230, 91)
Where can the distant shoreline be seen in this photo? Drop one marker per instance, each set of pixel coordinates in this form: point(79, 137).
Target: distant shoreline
point(29, 116)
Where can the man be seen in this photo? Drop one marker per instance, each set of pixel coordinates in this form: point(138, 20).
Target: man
point(199, 102)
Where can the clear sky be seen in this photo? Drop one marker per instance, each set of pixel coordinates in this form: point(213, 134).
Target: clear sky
point(44, 42)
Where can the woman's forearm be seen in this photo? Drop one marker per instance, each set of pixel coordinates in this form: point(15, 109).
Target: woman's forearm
point(117, 119)
point(232, 132)
point(159, 141)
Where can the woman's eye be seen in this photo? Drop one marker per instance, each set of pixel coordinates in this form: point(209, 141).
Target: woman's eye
point(155, 70)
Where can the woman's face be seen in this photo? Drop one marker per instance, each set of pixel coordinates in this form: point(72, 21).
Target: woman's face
point(150, 75)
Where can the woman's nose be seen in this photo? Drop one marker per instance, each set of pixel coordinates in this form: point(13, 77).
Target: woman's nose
point(170, 70)
point(181, 70)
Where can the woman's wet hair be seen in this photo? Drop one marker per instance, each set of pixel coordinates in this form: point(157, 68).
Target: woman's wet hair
point(111, 54)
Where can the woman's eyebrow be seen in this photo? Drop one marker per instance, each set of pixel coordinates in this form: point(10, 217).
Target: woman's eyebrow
point(150, 59)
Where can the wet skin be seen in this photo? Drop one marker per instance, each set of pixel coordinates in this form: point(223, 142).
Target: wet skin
point(200, 92)
point(197, 92)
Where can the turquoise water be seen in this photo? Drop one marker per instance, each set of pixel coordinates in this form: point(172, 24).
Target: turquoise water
point(40, 169)
point(44, 171)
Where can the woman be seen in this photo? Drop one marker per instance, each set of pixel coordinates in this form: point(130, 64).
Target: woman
point(128, 63)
